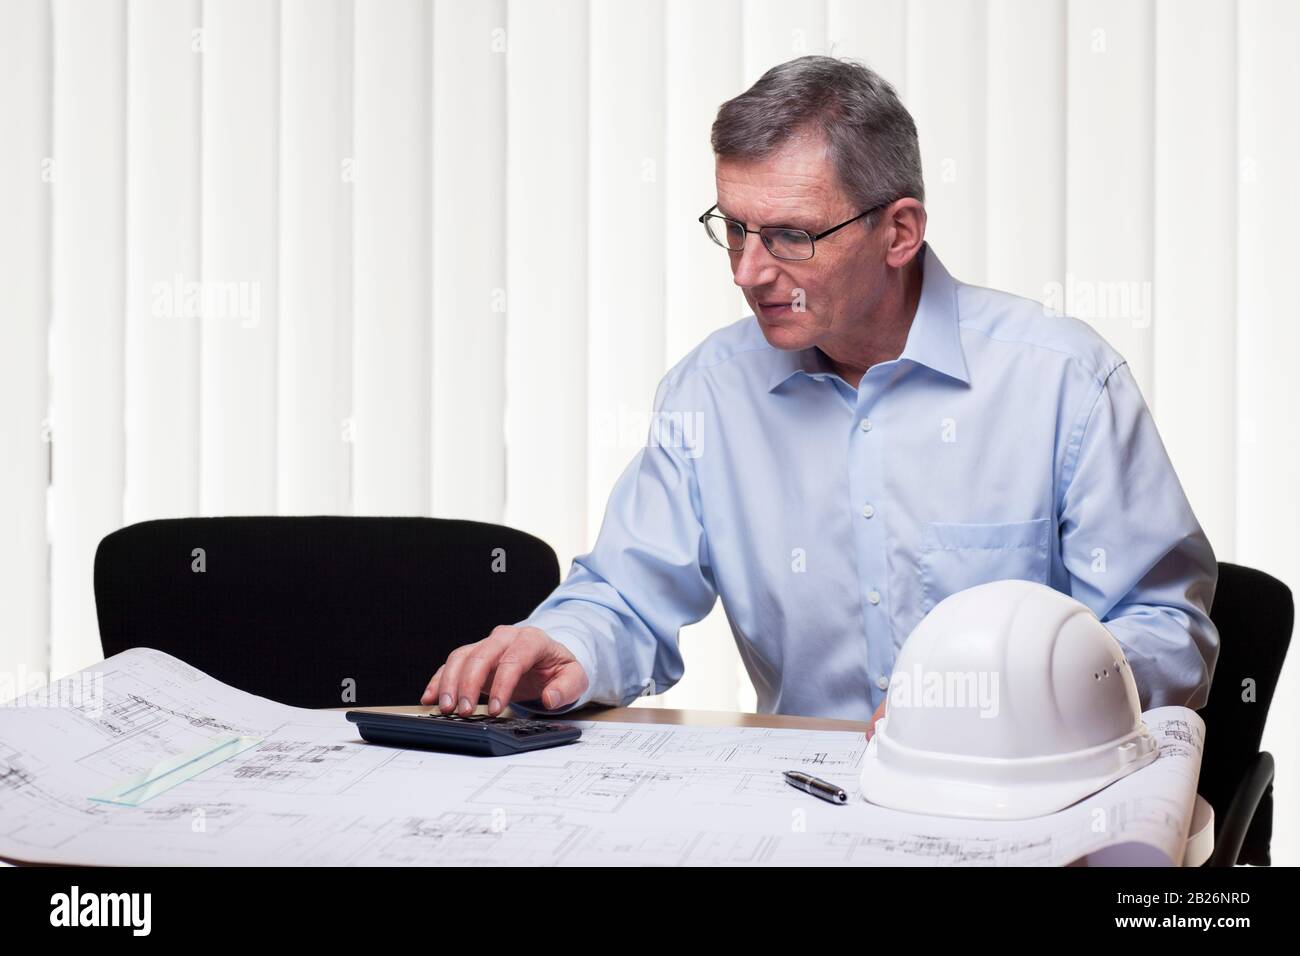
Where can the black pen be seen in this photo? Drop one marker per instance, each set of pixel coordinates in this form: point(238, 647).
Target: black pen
point(815, 786)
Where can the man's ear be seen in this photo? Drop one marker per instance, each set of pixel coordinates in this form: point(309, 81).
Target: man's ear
point(904, 227)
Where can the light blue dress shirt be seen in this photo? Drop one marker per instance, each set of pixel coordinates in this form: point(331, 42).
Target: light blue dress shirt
point(1002, 443)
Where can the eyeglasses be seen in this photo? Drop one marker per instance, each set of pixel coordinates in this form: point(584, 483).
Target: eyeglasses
point(782, 241)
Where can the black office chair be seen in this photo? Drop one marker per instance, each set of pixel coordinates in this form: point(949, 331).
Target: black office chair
point(295, 608)
point(1254, 613)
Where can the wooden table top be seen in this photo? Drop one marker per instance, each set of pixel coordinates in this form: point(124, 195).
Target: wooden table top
point(657, 715)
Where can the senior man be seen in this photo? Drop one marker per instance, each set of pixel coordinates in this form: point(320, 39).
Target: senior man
point(876, 436)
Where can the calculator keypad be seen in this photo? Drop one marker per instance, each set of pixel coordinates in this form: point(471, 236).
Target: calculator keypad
point(517, 726)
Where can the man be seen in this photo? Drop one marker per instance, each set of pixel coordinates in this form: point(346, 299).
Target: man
point(875, 437)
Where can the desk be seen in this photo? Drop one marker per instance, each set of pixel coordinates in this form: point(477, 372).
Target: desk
point(655, 715)
point(1200, 839)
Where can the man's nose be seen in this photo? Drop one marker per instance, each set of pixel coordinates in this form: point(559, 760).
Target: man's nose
point(754, 265)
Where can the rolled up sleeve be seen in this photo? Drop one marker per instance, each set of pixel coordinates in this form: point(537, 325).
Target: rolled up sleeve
point(1134, 550)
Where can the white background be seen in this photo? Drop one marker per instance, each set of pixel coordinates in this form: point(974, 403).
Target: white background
point(470, 229)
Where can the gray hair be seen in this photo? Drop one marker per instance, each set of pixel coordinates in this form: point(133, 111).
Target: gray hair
point(870, 134)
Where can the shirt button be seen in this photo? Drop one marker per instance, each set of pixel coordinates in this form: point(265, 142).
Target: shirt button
point(874, 597)
point(865, 424)
point(868, 511)
point(882, 682)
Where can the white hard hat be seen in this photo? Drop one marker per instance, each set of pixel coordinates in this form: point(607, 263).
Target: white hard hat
point(1009, 700)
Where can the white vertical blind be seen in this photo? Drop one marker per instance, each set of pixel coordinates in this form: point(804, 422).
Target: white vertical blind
point(392, 259)
point(779, 30)
point(239, 195)
point(432, 256)
point(546, 272)
point(1110, 98)
point(946, 80)
point(162, 259)
point(1268, 337)
point(1025, 165)
point(470, 224)
point(1195, 261)
point(86, 325)
point(874, 32)
point(314, 246)
point(25, 110)
point(625, 307)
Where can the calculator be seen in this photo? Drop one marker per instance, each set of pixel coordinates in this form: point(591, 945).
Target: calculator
point(477, 734)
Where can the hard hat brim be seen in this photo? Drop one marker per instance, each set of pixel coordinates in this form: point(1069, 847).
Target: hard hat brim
point(894, 789)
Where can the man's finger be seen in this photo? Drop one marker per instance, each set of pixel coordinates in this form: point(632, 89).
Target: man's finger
point(555, 695)
point(515, 661)
point(871, 724)
point(447, 699)
point(431, 691)
point(467, 667)
point(479, 666)
point(565, 688)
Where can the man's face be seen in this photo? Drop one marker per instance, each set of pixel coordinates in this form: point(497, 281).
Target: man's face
point(811, 301)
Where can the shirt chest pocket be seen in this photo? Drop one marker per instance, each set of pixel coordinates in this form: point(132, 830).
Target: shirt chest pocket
point(953, 557)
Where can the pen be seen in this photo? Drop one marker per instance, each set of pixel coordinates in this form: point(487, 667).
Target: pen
point(815, 786)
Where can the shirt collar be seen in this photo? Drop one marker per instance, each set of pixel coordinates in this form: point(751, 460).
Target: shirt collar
point(934, 339)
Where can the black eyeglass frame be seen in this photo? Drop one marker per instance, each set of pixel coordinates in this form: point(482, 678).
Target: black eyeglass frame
point(812, 239)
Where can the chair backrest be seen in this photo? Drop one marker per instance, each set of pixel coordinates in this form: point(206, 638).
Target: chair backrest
point(295, 608)
point(1254, 613)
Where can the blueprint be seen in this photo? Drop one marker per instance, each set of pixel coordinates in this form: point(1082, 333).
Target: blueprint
point(310, 791)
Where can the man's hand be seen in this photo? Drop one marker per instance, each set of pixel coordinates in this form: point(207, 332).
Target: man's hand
point(512, 661)
point(871, 724)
